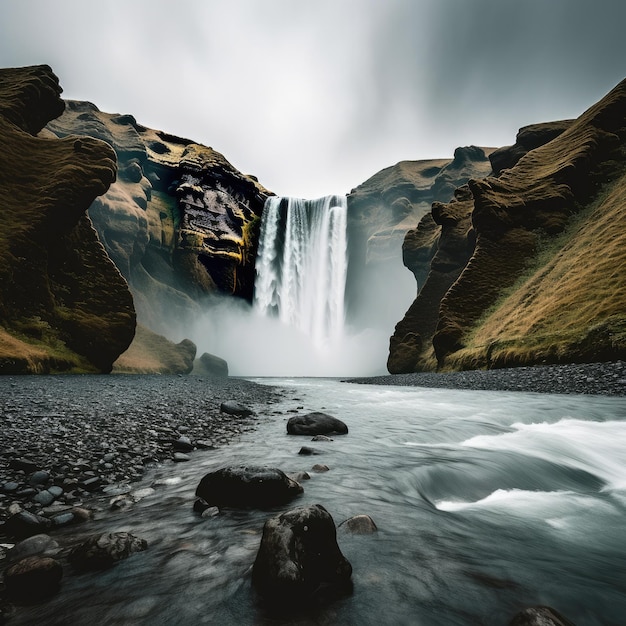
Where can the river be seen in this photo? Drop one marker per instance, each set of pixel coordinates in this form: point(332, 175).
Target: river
point(486, 502)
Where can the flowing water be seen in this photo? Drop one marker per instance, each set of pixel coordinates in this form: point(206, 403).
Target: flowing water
point(302, 264)
point(486, 502)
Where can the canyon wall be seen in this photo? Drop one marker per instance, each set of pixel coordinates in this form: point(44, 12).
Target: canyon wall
point(64, 306)
point(526, 266)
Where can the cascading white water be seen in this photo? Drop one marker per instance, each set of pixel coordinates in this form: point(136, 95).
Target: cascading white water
point(302, 264)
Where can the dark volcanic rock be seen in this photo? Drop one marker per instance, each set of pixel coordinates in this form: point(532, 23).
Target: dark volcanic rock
point(105, 550)
point(247, 487)
point(235, 408)
point(540, 616)
point(26, 524)
point(316, 424)
point(211, 365)
point(33, 579)
point(299, 555)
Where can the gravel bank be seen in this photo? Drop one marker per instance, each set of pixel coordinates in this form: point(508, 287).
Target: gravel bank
point(64, 439)
point(607, 379)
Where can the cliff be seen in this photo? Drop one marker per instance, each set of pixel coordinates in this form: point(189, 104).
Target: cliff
point(382, 212)
point(180, 222)
point(63, 304)
point(526, 267)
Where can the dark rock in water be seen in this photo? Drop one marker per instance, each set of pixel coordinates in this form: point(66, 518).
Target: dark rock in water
point(105, 550)
point(320, 468)
point(299, 476)
point(307, 451)
point(25, 524)
point(321, 438)
point(540, 616)
point(298, 555)
point(359, 525)
point(181, 457)
point(211, 365)
point(235, 408)
point(33, 579)
point(200, 505)
point(37, 545)
point(316, 424)
point(247, 486)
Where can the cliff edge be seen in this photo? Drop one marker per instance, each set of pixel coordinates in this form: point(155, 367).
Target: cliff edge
point(527, 267)
point(63, 304)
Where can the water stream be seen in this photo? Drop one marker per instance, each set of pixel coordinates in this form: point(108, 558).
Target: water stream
point(486, 502)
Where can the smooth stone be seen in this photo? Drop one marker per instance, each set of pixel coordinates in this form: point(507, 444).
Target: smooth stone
point(211, 511)
point(316, 424)
point(105, 550)
point(299, 556)
point(235, 408)
point(181, 457)
point(25, 524)
point(37, 545)
point(319, 468)
point(183, 444)
point(359, 525)
point(33, 578)
point(56, 491)
point(44, 498)
point(300, 476)
point(307, 451)
point(39, 477)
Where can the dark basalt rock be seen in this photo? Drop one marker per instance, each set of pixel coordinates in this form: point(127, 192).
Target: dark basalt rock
point(540, 616)
point(25, 524)
point(105, 550)
point(235, 408)
point(316, 424)
point(299, 557)
point(33, 579)
point(247, 487)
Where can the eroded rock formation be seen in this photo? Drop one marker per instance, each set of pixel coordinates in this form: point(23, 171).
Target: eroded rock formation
point(514, 277)
point(63, 304)
point(180, 222)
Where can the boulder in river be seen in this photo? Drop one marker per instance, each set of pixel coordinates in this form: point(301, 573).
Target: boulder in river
point(33, 578)
point(359, 525)
point(316, 424)
point(105, 550)
point(540, 616)
point(247, 487)
point(299, 557)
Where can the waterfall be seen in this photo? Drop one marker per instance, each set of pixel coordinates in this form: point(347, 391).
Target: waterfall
point(301, 265)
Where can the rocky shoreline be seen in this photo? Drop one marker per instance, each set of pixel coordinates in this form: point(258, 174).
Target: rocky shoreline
point(67, 439)
point(606, 379)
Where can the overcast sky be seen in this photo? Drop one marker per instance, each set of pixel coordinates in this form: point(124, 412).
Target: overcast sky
point(314, 97)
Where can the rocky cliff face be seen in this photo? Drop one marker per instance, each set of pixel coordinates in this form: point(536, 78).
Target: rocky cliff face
point(63, 305)
point(526, 267)
point(382, 213)
point(180, 222)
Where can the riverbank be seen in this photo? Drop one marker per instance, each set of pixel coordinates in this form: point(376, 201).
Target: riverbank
point(65, 439)
point(607, 379)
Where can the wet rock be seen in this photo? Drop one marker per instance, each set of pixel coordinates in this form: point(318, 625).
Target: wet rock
point(181, 457)
point(44, 498)
point(211, 511)
point(105, 550)
point(308, 451)
point(298, 555)
point(319, 468)
point(37, 545)
point(247, 487)
point(321, 438)
point(93, 483)
point(316, 424)
point(10, 487)
point(540, 616)
point(235, 408)
point(359, 525)
point(33, 578)
point(39, 477)
point(25, 524)
point(56, 491)
point(183, 444)
point(299, 476)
